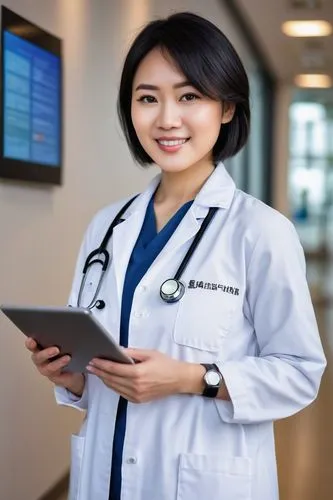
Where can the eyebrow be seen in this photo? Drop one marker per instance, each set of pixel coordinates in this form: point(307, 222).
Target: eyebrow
point(146, 86)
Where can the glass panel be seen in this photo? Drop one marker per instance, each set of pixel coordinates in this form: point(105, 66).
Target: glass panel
point(311, 173)
point(249, 168)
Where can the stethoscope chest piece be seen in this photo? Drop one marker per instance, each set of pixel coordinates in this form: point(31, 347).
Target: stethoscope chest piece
point(172, 290)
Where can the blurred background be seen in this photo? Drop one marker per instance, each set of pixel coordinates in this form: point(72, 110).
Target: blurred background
point(288, 163)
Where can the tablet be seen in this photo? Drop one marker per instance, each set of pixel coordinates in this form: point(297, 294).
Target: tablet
point(74, 330)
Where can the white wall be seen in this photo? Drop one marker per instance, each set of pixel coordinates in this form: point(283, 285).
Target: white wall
point(41, 228)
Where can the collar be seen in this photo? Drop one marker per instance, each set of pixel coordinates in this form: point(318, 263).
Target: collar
point(218, 191)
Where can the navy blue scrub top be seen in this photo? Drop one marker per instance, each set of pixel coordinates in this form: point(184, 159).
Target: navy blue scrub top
point(147, 247)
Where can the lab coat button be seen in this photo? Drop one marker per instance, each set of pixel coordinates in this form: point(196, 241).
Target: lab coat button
point(131, 460)
point(143, 288)
point(137, 314)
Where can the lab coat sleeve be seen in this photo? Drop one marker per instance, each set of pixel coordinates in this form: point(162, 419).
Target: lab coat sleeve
point(66, 398)
point(286, 374)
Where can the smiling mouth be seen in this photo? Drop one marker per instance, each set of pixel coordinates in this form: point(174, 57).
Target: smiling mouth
point(171, 143)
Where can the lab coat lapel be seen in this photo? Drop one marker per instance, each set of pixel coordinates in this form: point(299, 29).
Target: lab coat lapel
point(127, 232)
point(123, 241)
point(186, 230)
point(218, 191)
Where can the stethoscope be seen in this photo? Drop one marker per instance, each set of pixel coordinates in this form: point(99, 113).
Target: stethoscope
point(171, 290)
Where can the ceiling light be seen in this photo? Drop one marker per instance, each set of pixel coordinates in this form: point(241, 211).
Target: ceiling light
point(315, 81)
point(307, 28)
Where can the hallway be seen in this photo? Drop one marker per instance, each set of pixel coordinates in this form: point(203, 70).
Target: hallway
point(304, 442)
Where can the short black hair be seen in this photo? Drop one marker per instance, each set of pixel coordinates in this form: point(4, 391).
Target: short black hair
point(208, 60)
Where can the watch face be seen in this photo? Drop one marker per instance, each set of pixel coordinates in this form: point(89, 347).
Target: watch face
point(212, 378)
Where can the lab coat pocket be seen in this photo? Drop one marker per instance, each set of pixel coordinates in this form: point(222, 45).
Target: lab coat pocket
point(213, 476)
point(203, 319)
point(77, 447)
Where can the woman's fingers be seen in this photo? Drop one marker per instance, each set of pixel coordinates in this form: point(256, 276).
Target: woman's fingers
point(124, 387)
point(40, 357)
point(118, 383)
point(54, 367)
point(31, 345)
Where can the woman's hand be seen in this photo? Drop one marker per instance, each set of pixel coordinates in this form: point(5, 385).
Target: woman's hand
point(154, 376)
point(42, 359)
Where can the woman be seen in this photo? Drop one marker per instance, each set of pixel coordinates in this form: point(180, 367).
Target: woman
point(240, 349)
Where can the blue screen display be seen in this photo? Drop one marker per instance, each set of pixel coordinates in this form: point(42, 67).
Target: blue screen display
point(31, 102)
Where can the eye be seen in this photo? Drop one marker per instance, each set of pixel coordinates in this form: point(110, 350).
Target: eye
point(189, 97)
point(147, 99)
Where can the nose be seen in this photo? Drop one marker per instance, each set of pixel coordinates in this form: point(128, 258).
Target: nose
point(169, 116)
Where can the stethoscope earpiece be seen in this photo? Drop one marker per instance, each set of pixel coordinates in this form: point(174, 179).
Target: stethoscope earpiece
point(172, 290)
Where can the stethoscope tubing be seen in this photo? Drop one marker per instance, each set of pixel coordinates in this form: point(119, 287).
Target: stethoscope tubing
point(101, 251)
point(212, 211)
point(103, 258)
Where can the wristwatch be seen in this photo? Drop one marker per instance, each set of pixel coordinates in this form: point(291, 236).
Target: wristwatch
point(213, 380)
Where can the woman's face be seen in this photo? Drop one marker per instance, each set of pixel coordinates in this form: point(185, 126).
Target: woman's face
point(176, 125)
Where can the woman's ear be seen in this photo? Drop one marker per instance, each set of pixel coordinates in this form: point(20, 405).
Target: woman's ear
point(228, 111)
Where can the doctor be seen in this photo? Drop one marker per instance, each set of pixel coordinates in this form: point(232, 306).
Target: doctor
point(231, 343)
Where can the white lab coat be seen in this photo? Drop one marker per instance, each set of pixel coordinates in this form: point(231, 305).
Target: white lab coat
point(261, 331)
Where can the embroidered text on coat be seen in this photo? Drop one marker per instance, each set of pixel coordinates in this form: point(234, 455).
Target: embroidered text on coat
point(213, 286)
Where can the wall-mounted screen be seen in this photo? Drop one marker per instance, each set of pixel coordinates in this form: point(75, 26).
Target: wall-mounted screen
point(31, 101)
